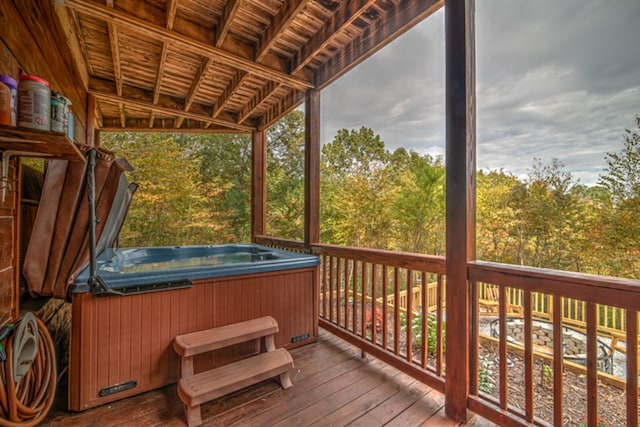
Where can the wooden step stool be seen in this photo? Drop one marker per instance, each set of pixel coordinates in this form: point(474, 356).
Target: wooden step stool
point(196, 389)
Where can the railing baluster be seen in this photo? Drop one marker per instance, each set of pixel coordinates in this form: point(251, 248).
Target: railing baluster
point(338, 286)
point(425, 319)
point(331, 280)
point(474, 345)
point(354, 306)
point(363, 303)
point(503, 346)
point(346, 293)
point(374, 303)
point(396, 311)
point(592, 363)
point(632, 368)
point(324, 287)
point(409, 311)
point(558, 362)
point(385, 314)
point(440, 296)
point(528, 357)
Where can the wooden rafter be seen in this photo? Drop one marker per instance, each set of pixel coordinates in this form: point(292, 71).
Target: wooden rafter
point(393, 23)
point(230, 11)
point(349, 12)
point(115, 56)
point(231, 88)
point(280, 22)
point(197, 82)
point(265, 92)
point(140, 98)
point(277, 111)
point(152, 118)
point(172, 7)
point(156, 32)
point(160, 73)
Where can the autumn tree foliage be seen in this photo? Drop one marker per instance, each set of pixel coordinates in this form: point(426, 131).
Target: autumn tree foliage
point(195, 189)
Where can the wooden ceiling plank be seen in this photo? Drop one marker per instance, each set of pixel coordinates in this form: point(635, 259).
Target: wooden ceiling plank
point(230, 11)
point(125, 21)
point(391, 25)
point(160, 73)
point(281, 108)
point(197, 82)
point(172, 7)
point(265, 92)
point(231, 88)
point(115, 56)
point(139, 98)
point(280, 22)
point(343, 18)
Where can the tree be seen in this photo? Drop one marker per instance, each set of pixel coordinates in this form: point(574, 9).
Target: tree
point(285, 177)
point(622, 180)
point(167, 209)
point(622, 176)
point(418, 207)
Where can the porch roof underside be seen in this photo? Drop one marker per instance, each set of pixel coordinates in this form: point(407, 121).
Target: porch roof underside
point(221, 65)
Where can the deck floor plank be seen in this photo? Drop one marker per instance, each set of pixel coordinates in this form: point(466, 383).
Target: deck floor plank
point(333, 386)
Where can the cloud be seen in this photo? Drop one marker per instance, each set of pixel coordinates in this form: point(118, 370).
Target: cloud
point(554, 80)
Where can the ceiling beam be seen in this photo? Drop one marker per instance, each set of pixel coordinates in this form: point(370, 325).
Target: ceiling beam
point(197, 82)
point(228, 15)
point(342, 19)
point(166, 106)
point(160, 73)
point(125, 21)
point(172, 7)
point(388, 27)
point(237, 81)
point(265, 92)
point(163, 125)
point(115, 56)
point(281, 21)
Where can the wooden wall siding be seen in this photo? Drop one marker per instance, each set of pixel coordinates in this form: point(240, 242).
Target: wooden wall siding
point(117, 339)
point(236, 64)
point(9, 246)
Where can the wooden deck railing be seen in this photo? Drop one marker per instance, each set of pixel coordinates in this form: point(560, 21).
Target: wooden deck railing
point(352, 305)
point(562, 297)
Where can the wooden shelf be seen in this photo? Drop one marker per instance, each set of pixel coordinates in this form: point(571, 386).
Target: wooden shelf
point(37, 143)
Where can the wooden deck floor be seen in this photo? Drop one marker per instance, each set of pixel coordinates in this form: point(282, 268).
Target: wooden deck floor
point(333, 386)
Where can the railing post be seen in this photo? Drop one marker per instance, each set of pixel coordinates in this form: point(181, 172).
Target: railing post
point(460, 197)
point(312, 168)
point(258, 183)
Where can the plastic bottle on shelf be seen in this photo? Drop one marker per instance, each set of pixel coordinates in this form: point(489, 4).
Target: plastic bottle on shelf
point(8, 94)
point(34, 103)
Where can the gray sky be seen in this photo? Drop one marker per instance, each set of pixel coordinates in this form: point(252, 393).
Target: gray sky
point(555, 78)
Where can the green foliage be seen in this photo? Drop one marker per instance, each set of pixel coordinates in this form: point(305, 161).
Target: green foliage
point(486, 382)
point(432, 332)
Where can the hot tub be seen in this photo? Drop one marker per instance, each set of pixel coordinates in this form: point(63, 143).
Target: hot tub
point(121, 339)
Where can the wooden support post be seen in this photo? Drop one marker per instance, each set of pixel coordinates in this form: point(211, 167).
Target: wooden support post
point(460, 197)
point(258, 183)
point(312, 168)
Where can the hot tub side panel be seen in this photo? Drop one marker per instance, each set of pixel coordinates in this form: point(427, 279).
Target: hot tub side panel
point(116, 339)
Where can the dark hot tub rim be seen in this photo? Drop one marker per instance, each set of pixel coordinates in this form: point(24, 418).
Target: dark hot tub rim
point(148, 281)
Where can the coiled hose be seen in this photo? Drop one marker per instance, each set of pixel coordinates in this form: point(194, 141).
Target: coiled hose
point(28, 401)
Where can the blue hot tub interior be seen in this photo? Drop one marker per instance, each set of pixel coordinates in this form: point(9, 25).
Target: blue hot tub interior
point(123, 269)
